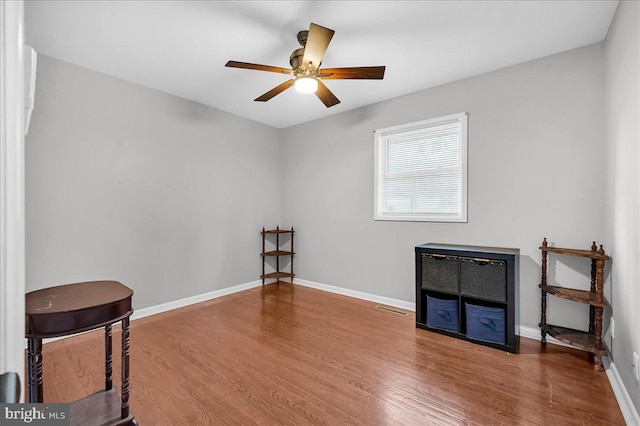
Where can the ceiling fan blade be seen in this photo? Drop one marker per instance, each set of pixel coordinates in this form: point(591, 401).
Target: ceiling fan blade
point(365, 73)
point(326, 96)
point(317, 42)
point(275, 91)
point(249, 66)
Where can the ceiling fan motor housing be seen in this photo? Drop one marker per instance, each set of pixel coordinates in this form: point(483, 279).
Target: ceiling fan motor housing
point(296, 58)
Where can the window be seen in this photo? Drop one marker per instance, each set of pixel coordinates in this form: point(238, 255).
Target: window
point(421, 171)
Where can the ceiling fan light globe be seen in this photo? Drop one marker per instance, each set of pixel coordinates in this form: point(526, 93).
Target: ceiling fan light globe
point(306, 85)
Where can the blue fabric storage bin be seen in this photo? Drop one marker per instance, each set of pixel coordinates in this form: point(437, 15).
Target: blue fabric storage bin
point(485, 323)
point(442, 314)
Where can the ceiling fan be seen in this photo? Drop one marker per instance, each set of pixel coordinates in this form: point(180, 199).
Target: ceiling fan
point(305, 68)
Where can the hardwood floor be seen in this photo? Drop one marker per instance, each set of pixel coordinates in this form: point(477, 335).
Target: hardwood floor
point(294, 355)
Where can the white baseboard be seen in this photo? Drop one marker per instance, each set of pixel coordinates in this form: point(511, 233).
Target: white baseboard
point(627, 408)
point(629, 412)
point(409, 306)
point(176, 304)
point(534, 333)
point(530, 332)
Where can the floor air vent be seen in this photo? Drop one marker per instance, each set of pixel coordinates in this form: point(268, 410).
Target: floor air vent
point(392, 310)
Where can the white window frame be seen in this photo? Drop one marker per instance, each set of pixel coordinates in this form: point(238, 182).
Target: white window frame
point(381, 137)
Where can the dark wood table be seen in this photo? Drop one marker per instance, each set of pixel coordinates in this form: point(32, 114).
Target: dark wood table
point(74, 308)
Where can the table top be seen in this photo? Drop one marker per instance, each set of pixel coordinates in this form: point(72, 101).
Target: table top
point(484, 249)
point(73, 297)
point(71, 308)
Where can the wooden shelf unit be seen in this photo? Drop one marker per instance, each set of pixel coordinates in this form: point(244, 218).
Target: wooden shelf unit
point(278, 252)
point(580, 296)
point(589, 341)
point(576, 338)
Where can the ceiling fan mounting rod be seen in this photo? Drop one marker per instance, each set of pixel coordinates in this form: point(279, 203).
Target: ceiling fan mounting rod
point(302, 37)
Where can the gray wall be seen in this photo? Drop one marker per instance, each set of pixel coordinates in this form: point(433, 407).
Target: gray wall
point(622, 79)
point(128, 183)
point(535, 170)
point(168, 196)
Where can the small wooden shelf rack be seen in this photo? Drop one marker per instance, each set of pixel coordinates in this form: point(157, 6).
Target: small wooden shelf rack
point(278, 253)
point(589, 341)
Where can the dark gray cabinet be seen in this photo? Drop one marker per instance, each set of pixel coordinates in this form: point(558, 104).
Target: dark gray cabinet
point(469, 292)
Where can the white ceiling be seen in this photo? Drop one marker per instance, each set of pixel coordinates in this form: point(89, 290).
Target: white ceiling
point(180, 47)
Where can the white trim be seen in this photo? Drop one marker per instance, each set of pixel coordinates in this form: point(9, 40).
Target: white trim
point(629, 411)
point(622, 396)
point(529, 332)
point(409, 306)
point(176, 304)
point(380, 137)
point(627, 408)
point(534, 333)
point(12, 214)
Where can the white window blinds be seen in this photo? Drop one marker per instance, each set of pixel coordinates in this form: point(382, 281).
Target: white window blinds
point(421, 171)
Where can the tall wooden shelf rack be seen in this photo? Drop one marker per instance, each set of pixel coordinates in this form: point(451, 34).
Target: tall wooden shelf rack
point(590, 341)
point(278, 253)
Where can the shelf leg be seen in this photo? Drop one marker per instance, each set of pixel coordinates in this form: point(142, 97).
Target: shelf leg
point(543, 320)
point(599, 285)
point(263, 257)
point(592, 309)
point(597, 358)
point(108, 358)
point(125, 368)
point(593, 289)
point(543, 301)
point(278, 248)
point(292, 253)
point(597, 362)
point(34, 361)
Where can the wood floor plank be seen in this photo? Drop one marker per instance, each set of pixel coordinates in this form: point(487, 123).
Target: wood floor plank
point(298, 356)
